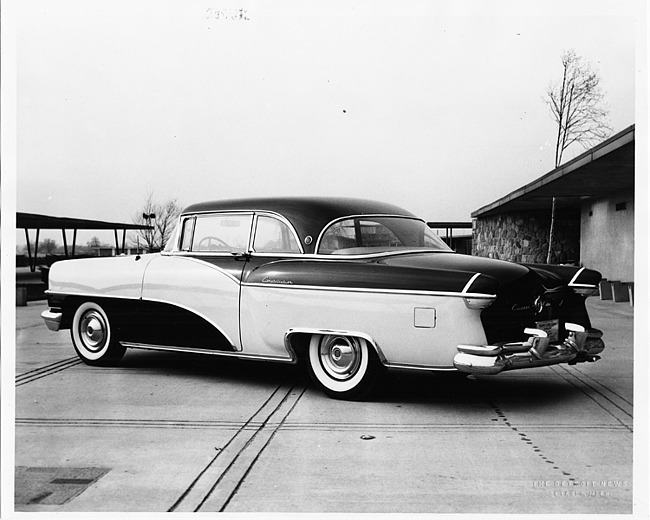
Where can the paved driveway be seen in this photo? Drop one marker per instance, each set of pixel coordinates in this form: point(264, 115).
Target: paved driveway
point(171, 432)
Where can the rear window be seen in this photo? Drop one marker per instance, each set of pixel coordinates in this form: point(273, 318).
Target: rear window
point(368, 235)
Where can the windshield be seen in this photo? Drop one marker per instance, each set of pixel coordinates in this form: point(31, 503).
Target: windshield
point(367, 235)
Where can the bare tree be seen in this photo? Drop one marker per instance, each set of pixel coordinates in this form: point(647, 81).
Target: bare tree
point(162, 217)
point(94, 242)
point(576, 105)
point(49, 246)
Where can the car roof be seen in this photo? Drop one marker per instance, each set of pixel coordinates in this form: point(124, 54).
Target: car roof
point(308, 215)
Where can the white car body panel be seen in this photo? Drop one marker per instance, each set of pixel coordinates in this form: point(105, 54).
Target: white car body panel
point(389, 319)
point(114, 277)
point(197, 286)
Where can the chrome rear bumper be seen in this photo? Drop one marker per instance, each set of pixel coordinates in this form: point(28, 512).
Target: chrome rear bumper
point(52, 319)
point(579, 346)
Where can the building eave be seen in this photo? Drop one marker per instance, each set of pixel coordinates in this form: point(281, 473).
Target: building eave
point(599, 171)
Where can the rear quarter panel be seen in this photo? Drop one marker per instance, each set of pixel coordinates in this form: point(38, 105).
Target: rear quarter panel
point(388, 318)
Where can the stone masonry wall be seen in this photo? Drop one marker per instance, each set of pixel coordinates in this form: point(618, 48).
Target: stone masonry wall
point(523, 236)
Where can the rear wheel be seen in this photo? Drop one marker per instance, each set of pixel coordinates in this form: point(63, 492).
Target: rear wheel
point(93, 338)
point(344, 367)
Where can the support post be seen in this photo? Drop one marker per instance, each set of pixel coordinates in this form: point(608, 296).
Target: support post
point(65, 243)
point(29, 249)
point(33, 268)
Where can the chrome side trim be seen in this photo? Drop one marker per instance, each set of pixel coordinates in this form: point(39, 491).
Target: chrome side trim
point(381, 254)
point(93, 295)
point(428, 368)
point(52, 319)
point(471, 281)
point(191, 350)
point(576, 276)
point(313, 256)
point(369, 290)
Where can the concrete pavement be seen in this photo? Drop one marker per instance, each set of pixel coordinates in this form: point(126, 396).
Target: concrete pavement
point(170, 432)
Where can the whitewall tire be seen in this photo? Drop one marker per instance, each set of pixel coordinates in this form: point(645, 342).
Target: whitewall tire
point(92, 336)
point(344, 367)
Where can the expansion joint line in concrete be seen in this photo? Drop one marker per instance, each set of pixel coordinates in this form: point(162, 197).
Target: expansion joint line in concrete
point(617, 407)
point(47, 370)
point(219, 481)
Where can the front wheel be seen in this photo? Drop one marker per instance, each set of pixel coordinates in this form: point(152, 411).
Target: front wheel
point(344, 367)
point(92, 336)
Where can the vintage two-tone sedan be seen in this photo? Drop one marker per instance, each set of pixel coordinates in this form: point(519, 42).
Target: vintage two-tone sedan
point(348, 286)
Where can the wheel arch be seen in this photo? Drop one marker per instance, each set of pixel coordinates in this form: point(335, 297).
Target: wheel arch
point(297, 340)
point(70, 303)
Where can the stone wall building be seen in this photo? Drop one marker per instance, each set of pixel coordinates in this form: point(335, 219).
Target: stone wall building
point(594, 223)
point(521, 236)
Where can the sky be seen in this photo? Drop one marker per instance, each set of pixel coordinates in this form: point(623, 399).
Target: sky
point(438, 107)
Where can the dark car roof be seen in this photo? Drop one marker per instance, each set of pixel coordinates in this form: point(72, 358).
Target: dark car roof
point(307, 214)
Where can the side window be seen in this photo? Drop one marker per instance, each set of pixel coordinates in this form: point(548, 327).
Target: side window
point(186, 237)
point(274, 236)
point(222, 233)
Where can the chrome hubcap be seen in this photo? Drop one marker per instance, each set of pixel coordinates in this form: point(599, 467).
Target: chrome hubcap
point(93, 331)
point(340, 356)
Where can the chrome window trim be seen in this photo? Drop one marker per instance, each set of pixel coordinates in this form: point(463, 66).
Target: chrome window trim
point(208, 214)
point(251, 237)
point(183, 220)
point(283, 220)
point(370, 216)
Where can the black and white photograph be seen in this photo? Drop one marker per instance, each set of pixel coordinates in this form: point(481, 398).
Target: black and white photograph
point(326, 258)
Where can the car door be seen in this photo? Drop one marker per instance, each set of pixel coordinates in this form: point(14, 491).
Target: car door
point(203, 272)
point(264, 314)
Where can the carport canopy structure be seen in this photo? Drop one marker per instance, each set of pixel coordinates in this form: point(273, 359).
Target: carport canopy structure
point(449, 227)
point(35, 221)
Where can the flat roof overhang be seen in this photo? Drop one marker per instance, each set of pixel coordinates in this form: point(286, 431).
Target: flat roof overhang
point(36, 221)
point(600, 171)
